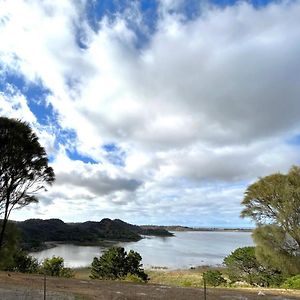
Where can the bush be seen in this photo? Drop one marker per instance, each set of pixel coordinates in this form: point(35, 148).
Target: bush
point(24, 263)
point(133, 278)
point(242, 265)
point(292, 282)
point(55, 267)
point(267, 278)
point(115, 263)
point(213, 278)
point(10, 245)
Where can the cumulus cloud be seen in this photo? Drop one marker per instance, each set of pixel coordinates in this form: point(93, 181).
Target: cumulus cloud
point(204, 102)
point(95, 179)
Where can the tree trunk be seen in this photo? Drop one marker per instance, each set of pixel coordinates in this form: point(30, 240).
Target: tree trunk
point(4, 222)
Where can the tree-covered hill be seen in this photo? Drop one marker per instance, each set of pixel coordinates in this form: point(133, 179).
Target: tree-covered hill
point(35, 232)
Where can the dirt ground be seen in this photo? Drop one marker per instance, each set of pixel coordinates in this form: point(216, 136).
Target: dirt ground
point(14, 286)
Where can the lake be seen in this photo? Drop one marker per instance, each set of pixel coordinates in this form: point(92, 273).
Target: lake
point(184, 250)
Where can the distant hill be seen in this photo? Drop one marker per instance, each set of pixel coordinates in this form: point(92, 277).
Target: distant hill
point(35, 232)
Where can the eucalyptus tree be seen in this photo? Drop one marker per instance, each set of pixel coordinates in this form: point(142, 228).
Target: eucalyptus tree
point(273, 202)
point(24, 169)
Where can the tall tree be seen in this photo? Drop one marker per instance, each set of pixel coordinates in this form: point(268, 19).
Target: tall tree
point(273, 202)
point(24, 169)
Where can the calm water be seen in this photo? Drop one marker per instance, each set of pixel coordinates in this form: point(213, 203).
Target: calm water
point(184, 250)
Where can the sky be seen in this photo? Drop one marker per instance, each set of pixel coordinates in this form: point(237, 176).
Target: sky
point(157, 111)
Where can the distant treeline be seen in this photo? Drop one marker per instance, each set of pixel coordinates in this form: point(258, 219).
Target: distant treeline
point(185, 228)
point(35, 232)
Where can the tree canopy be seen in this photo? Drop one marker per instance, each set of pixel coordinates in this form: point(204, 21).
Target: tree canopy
point(24, 168)
point(55, 266)
point(273, 202)
point(116, 263)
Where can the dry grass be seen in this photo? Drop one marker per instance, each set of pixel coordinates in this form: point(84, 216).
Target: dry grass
point(82, 273)
point(183, 278)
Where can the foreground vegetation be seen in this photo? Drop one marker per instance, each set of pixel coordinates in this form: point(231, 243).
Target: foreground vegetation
point(18, 284)
point(116, 263)
point(194, 278)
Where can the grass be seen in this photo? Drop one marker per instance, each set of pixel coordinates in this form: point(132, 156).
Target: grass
point(82, 273)
point(183, 278)
point(188, 278)
point(191, 278)
point(61, 288)
point(81, 297)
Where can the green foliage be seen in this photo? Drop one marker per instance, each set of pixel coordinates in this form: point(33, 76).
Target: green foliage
point(273, 202)
point(111, 265)
point(24, 168)
point(292, 283)
point(24, 263)
point(242, 265)
point(115, 263)
point(12, 258)
point(133, 278)
point(213, 278)
point(10, 246)
point(268, 278)
point(67, 273)
point(276, 249)
point(55, 267)
point(187, 283)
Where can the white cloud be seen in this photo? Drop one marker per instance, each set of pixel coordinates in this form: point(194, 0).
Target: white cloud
point(208, 101)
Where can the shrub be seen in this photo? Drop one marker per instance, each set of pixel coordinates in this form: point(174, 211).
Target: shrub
point(10, 245)
point(133, 278)
point(55, 267)
point(24, 263)
point(187, 283)
point(292, 282)
point(267, 278)
point(213, 278)
point(242, 265)
point(115, 263)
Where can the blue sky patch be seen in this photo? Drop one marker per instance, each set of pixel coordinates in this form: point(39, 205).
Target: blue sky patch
point(34, 93)
point(295, 140)
point(115, 155)
point(74, 155)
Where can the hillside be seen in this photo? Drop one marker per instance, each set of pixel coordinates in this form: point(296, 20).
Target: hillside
point(35, 232)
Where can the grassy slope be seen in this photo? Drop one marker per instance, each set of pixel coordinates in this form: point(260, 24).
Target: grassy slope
point(179, 278)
